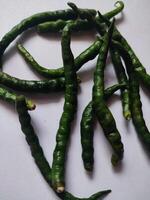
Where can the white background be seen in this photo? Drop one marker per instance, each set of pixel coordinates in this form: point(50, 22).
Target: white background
point(19, 177)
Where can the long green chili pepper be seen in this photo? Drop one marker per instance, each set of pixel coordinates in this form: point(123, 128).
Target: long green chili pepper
point(63, 133)
point(120, 72)
point(38, 154)
point(119, 69)
point(136, 105)
point(82, 25)
point(102, 111)
point(122, 78)
point(87, 128)
point(10, 97)
point(42, 86)
point(37, 19)
point(89, 54)
point(138, 67)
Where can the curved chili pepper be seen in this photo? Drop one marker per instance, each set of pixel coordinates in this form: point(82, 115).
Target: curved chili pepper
point(70, 106)
point(11, 97)
point(86, 127)
point(102, 111)
point(36, 19)
point(82, 25)
point(138, 67)
point(136, 104)
point(89, 54)
point(38, 154)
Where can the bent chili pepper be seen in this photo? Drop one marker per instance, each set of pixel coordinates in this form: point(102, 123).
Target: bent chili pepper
point(70, 106)
point(38, 154)
point(86, 127)
point(103, 113)
point(136, 104)
point(138, 67)
point(88, 54)
point(82, 25)
point(37, 19)
point(11, 97)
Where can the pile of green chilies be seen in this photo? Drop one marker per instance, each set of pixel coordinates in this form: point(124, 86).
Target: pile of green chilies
point(66, 79)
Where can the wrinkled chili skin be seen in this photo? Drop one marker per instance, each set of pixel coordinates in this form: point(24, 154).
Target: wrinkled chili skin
point(103, 113)
point(38, 154)
point(69, 110)
point(87, 130)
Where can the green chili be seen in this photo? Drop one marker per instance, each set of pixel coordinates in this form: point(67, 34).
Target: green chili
point(119, 69)
point(89, 54)
point(10, 97)
point(41, 86)
point(138, 67)
point(82, 25)
point(122, 78)
point(37, 19)
point(37, 152)
point(87, 128)
point(136, 105)
point(70, 106)
point(102, 111)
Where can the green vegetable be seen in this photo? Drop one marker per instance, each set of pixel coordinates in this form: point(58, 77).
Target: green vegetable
point(70, 106)
point(82, 25)
point(122, 78)
point(37, 19)
point(42, 86)
point(37, 152)
point(87, 128)
point(136, 105)
point(89, 54)
point(10, 97)
point(138, 67)
point(120, 72)
point(102, 111)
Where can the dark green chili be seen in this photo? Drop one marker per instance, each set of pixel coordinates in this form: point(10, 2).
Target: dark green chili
point(122, 78)
point(63, 133)
point(87, 128)
point(102, 111)
point(10, 97)
point(89, 54)
point(138, 67)
point(136, 105)
point(37, 19)
point(82, 25)
point(37, 152)
point(42, 86)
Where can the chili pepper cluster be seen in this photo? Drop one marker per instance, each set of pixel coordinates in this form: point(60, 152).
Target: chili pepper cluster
point(66, 79)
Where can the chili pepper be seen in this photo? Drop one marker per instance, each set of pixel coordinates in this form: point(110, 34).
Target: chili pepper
point(37, 19)
point(136, 104)
point(87, 128)
point(82, 25)
point(42, 86)
point(10, 97)
point(70, 106)
point(122, 78)
point(89, 54)
point(102, 111)
point(138, 67)
point(119, 69)
point(37, 152)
